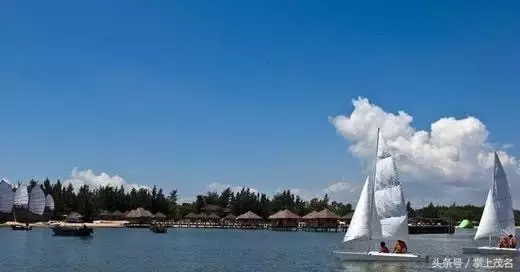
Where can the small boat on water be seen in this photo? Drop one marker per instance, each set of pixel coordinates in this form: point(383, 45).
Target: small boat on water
point(21, 227)
point(63, 230)
point(380, 213)
point(498, 218)
point(158, 228)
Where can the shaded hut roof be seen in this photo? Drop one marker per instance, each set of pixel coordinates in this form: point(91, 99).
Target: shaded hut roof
point(160, 215)
point(249, 216)
point(202, 215)
point(213, 216)
point(190, 216)
point(105, 213)
point(310, 215)
point(230, 217)
point(326, 214)
point(139, 213)
point(285, 214)
point(117, 213)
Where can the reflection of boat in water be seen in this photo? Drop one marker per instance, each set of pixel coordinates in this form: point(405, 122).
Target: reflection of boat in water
point(498, 218)
point(380, 212)
point(64, 230)
point(158, 228)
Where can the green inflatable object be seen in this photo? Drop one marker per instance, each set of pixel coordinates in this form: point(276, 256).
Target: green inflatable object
point(465, 224)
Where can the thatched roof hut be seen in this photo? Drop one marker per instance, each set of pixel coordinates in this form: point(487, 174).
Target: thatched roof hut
point(117, 214)
point(139, 213)
point(284, 220)
point(191, 216)
point(249, 219)
point(160, 215)
point(326, 214)
point(285, 214)
point(202, 216)
point(105, 214)
point(230, 217)
point(309, 216)
point(213, 217)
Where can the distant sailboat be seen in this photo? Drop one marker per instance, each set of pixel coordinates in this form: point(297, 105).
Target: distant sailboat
point(49, 204)
point(21, 200)
point(498, 218)
point(6, 196)
point(380, 212)
point(37, 200)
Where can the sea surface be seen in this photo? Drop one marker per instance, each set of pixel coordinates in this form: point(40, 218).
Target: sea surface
point(130, 250)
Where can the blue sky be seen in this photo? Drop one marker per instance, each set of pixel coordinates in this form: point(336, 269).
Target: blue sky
point(182, 94)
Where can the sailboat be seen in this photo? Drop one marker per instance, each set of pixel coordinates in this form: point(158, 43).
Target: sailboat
point(380, 212)
point(498, 218)
point(21, 200)
point(49, 204)
point(6, 196)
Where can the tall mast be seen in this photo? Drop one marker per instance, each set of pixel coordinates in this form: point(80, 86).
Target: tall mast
point(372, 193)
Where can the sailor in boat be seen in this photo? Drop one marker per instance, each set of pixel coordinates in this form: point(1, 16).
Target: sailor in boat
point(511, 241)
point(503, 243)
point(400, 247)
point(383, 248)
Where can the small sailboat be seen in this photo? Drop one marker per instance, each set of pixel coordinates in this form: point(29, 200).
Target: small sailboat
point(21, 200)
point(498, 218)
point(6, 196)
point(380, 212)
point(49, 204)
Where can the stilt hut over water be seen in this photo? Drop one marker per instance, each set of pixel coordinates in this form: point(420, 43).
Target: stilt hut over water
point(327, 219)
point(229, 219)
point(214, 218)
point(284, 220)
point(191, 217)
point(117, 215)
point(159, 216)
point(139, 216)
point(249, 220)
point(105, 215)
point(310, 220)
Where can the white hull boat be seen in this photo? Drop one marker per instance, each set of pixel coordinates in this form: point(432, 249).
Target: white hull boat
point(380, 257)
point(490, 250)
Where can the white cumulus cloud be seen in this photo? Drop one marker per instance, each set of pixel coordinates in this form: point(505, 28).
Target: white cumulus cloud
point(454, 151)
point(88, 177)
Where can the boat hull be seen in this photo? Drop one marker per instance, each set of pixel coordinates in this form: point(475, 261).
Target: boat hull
point(374, 256)
point(21, 227)
point(71, 231)
point(490, 250)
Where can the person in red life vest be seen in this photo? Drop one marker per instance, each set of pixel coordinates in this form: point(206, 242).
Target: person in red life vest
point(400, 247)
point(383, 248)
point(512, 241)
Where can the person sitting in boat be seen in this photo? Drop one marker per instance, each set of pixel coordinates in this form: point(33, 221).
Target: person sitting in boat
point(400, 247)
point(511, 241)
point(503, 243)
point(383, 248)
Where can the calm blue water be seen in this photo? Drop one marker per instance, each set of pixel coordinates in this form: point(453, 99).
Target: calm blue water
point(131, 250)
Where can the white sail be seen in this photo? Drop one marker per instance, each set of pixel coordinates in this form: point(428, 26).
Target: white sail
point(6, 197)
point(49, 202)
point(498, 217)
point(389, 196)
point(21, 196)
point(362, 225)
point(37, 200)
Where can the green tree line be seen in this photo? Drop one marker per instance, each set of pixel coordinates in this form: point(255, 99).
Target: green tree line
point(91, 201)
